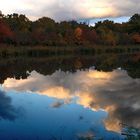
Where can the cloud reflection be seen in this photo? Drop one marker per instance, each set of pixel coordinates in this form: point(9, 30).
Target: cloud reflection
point(57, 104)
point(7, 111)
point(114, 92)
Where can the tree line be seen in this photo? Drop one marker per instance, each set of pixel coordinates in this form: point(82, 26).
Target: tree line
point(17, 29)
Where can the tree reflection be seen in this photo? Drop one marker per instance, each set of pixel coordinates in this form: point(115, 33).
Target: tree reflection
point(12, 67)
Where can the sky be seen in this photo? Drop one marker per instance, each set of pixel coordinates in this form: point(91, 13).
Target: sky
point(59, 10)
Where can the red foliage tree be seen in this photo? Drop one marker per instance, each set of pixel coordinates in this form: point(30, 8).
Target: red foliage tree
point(136, 38)
point(5, 32)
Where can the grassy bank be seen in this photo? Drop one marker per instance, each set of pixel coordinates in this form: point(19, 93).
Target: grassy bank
point(37, 51)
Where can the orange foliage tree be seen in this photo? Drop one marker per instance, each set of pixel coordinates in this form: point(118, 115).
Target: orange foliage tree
point(136, 38)
point(78, 35)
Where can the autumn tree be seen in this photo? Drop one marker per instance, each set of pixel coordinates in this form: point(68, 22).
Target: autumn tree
point(44, 31)
point(19, 30)
point(136, 38)
point(5, 32)
point(134, 24)
point(20, 25)
point(78, 35)
point(90, 36)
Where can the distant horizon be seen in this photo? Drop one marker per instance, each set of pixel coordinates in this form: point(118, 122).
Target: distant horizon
point(91, 21)
point(114, 19)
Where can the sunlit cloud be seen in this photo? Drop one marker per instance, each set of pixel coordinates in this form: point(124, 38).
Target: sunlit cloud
point(71, 9)
point(57, 92)
point(114, 92)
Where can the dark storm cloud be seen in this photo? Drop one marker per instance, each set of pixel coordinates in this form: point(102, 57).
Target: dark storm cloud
point(7, 111)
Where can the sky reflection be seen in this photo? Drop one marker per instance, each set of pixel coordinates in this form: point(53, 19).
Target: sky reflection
point(113, 94)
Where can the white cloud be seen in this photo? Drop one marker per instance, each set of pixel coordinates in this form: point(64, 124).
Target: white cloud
point(71, 9)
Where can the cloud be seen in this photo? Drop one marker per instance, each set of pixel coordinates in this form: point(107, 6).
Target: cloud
point(71, 9)
point(57, 104)
point(86, 135)
point(7, 111)
point(114, 92)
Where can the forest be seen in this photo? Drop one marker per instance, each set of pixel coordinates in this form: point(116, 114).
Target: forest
point(18, 30)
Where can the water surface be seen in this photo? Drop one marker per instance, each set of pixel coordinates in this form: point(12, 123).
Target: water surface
point(64, 105)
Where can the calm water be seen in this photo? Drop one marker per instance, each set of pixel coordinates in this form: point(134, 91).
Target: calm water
point(69, 103)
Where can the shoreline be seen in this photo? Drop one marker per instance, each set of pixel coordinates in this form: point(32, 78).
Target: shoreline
point(42, 51)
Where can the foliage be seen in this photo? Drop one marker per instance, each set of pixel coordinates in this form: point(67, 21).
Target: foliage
point(18, 30)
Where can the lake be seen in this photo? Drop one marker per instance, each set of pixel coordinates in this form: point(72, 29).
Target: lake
point(71, 98)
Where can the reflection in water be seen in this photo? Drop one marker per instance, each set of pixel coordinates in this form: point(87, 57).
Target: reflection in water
point(114, 92)
point(48, 65)
point(7, 111)
point(57, 104)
